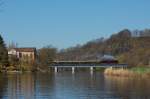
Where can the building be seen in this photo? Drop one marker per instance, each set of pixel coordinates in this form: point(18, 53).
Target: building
point(108, 59)
point(23, 54)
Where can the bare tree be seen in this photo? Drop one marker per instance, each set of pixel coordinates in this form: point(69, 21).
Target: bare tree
point(12, 45)
point(45, 56)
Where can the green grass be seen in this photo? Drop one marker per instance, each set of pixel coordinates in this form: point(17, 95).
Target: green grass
point(141, 69)
point(99, 69)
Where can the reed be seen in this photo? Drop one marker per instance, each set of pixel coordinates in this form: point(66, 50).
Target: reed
point(120, 72)
point(143, 72)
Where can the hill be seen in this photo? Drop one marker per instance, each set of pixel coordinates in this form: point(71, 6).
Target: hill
point(132, 47)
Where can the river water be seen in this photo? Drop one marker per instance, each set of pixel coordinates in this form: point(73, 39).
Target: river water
point(65, 85)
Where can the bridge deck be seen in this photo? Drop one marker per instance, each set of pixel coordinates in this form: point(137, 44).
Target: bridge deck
point(86, 64)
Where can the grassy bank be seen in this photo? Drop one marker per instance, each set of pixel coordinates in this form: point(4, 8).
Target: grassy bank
point(141, 70)
point(133, 72)
point(16, 69)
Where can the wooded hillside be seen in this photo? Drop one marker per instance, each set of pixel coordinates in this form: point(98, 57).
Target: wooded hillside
point(129, 47)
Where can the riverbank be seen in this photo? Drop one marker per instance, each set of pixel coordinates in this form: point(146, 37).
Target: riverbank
point(132, 72)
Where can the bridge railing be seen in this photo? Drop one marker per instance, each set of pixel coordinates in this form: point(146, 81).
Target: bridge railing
point(88, 65)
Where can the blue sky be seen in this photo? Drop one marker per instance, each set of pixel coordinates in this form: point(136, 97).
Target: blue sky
point(65, 23)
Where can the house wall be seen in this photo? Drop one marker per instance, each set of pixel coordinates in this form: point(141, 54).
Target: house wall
point(27, 55)
point(30, 56)
point(12, 52)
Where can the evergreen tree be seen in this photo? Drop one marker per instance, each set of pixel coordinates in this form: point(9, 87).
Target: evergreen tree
point(3, 53)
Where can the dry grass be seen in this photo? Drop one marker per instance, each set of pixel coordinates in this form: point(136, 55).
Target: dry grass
point(120, 72)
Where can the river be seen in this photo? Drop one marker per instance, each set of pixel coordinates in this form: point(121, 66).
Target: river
point(65, 85)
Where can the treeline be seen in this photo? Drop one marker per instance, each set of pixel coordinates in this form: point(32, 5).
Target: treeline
point(3, 54)
point(132, 47)
point(129, 47)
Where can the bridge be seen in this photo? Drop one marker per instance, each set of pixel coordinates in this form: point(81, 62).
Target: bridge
point(85, 64)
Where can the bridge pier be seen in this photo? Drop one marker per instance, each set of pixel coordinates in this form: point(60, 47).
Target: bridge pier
point(91, 70)
point(73, 70)
point(56, 69)
point(90, 65)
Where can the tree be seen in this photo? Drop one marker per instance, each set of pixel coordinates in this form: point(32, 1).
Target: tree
point(13, 61)
point(12, 45)
point(45, 56)
point(3, 53)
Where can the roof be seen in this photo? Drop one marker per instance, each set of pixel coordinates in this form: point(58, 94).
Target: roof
point(108, 57)
point(27, 49)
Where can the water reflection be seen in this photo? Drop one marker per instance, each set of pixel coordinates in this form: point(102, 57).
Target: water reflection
point(3, 85)
point(65, 85)
point(76, 86)
point(129, 88)
point(19, 86)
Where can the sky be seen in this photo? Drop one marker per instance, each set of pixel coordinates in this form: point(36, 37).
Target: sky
point(66, 23)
